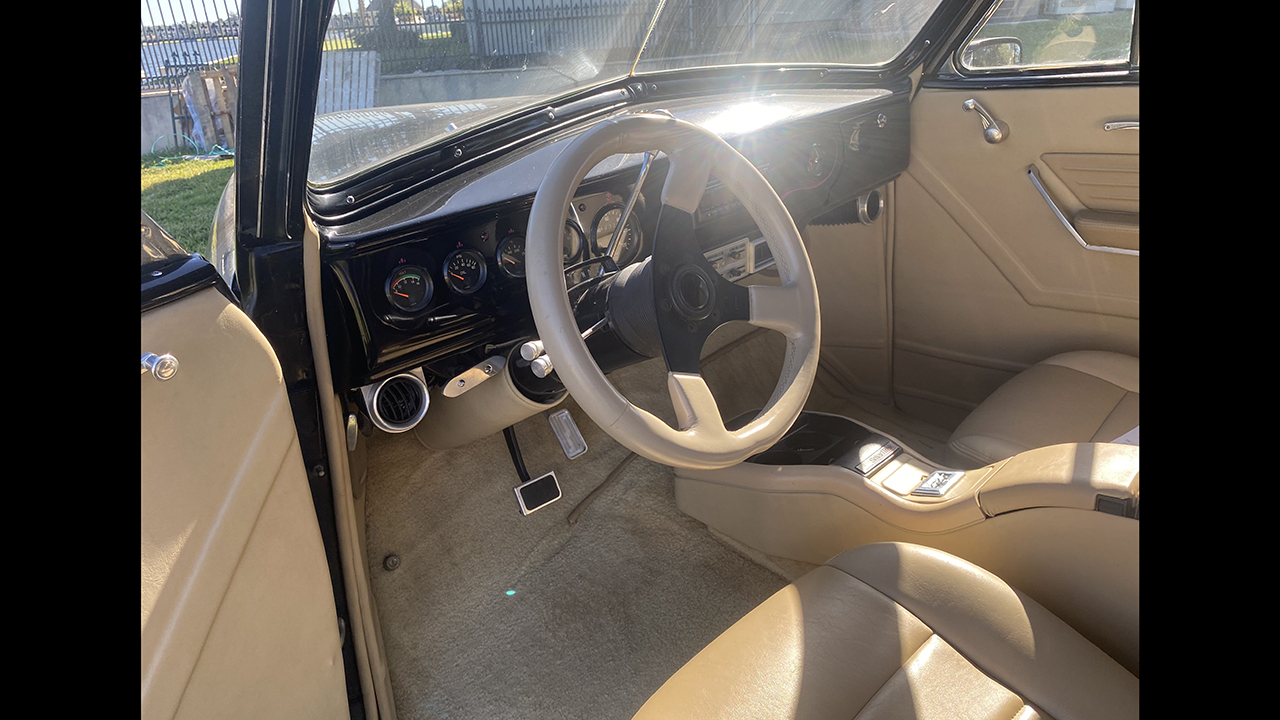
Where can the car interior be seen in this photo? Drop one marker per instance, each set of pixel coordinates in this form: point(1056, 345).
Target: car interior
point(738, 398)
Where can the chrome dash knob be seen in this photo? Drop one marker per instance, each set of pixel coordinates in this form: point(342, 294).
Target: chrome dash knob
point(542, 366)
point(531, 350)
point(162, 367)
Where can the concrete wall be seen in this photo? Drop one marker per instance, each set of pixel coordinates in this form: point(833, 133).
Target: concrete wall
point(478, 84)
point(155, 121)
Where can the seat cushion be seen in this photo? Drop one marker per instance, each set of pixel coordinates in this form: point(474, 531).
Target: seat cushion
point(903, 631)
point(1085, 396)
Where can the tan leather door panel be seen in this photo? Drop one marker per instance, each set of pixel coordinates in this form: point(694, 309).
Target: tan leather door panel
point(238, 618)
point(1104, 188)
point(1099, 181)
point(987, 280)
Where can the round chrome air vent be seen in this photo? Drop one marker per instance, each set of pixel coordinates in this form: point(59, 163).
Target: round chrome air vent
point(870, 206)
point(398, 403)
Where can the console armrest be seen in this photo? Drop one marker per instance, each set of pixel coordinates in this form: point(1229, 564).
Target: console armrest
point(1072, 475)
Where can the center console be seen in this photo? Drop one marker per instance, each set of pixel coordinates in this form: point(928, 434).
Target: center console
point(1058, 522)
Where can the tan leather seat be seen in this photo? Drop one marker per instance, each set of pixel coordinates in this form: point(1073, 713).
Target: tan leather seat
point(902, 631)
point(1084, 396)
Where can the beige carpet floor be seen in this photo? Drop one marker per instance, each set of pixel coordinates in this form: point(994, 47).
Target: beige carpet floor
point(494, 615)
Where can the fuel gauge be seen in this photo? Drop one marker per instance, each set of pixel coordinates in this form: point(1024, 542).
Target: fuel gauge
point(511, 256)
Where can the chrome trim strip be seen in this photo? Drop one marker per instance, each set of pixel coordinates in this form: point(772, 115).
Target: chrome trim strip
point(966, 71)
point(1123, 125)
point(592, 330)
point(1034, 174)
point(972, 34)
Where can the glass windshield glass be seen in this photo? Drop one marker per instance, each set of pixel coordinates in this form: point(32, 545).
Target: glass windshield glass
point(399, 75)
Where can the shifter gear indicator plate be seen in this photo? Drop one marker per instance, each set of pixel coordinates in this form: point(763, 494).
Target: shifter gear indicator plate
point(938, 483)
point(874, 453)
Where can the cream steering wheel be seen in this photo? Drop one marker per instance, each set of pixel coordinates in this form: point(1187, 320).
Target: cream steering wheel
point(690, 298)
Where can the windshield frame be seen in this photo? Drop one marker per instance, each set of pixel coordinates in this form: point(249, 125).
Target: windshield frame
point(555, 111)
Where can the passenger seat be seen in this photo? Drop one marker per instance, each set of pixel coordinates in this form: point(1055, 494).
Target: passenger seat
point(1084, 396)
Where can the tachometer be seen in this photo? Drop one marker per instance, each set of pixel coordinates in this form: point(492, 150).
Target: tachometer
point(602, 231)
point(465, 271)
point(409, 288)
point(572, 243)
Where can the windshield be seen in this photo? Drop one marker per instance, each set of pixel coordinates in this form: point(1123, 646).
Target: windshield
point(396, 76)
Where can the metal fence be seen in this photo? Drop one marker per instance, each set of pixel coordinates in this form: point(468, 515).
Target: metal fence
point(179, 36)
point(484, 38)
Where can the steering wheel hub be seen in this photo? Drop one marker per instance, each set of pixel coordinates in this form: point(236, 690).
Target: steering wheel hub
point(692, 293)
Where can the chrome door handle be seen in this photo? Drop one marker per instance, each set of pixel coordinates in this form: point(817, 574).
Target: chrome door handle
point(993, 130)
point(162, 367)
point(1123, 125)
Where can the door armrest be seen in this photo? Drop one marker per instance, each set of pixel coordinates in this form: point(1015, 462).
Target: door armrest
point(1108, 229)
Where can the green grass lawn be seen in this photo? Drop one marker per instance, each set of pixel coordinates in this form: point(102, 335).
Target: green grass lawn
point(182, 197)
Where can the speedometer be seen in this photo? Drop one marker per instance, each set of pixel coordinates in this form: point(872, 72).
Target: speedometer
point(606, 222)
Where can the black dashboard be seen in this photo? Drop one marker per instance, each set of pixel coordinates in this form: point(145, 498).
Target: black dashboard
point(436, 280)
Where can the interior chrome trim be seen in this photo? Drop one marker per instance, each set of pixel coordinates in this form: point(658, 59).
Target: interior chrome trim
point(631, 203)
point(993, 130)
point(473, 376)
point(870, 207)
point(370, 394)
point(161, 367)
point(937, 483)
point(1034, 174)
point(966, 71)
point(1123, 125)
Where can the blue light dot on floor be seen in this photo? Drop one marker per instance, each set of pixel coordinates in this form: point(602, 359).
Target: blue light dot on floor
point(511, 592)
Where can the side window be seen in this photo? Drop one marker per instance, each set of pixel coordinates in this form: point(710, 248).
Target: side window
point(1029, 34)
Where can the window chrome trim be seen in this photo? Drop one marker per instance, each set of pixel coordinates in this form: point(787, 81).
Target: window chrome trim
point(1034, 174)
point(1126, 65)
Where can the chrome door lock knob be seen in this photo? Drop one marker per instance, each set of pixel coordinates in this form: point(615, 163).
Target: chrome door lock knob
point(162, 367)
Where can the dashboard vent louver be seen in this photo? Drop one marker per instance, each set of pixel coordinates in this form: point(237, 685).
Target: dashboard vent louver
point(397, 403)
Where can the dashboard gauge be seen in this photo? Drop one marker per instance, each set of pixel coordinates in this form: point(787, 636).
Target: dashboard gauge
point(602, 231)
point(409, 288)
point(465, 271)
point(511, 256)
point(572, 243)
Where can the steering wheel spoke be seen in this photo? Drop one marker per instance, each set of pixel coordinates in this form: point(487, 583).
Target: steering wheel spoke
point(695, 407)
point(776, 307)
point(688, 170)
point(690, 296)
